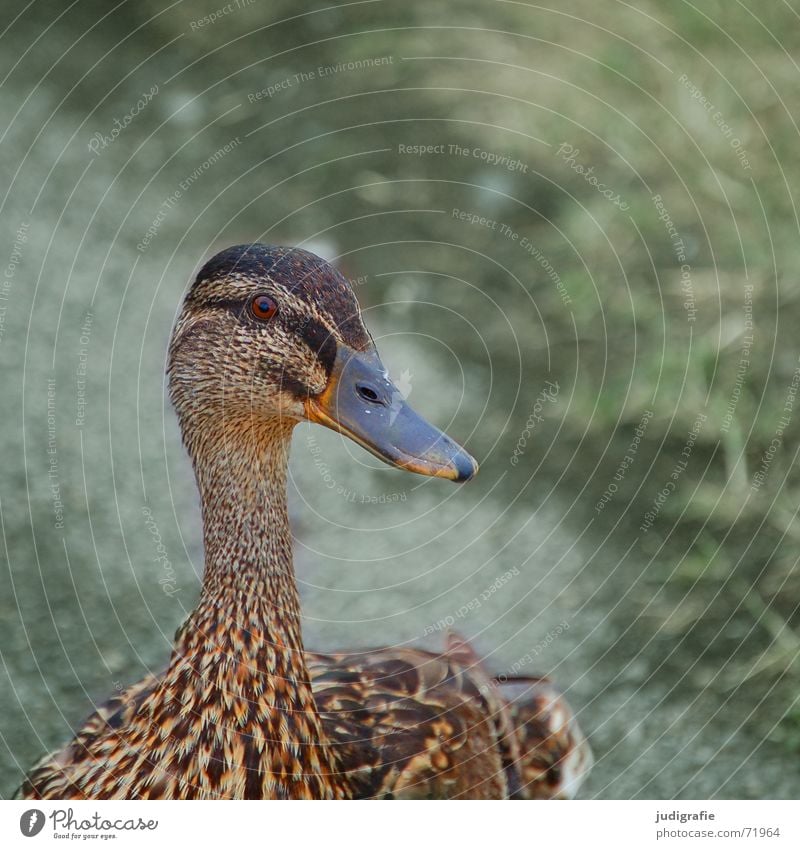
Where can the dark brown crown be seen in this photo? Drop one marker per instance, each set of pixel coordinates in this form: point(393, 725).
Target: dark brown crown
point(321, 288)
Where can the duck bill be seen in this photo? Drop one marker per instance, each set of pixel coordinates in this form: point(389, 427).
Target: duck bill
point(361, 403)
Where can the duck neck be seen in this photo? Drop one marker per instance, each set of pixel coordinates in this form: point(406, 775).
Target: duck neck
point(244, 637)
point(249, 571)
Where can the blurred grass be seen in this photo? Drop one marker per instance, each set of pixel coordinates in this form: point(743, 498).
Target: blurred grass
point(710, 591)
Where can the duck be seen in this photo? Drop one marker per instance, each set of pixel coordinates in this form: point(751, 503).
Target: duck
point(268, 337)
point(425, 707)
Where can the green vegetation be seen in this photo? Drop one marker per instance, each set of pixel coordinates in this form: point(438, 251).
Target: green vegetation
point(663, 280)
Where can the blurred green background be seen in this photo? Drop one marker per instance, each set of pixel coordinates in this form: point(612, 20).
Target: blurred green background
point(634, 166)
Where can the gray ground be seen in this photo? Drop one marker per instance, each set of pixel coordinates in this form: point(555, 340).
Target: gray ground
point(680, 677)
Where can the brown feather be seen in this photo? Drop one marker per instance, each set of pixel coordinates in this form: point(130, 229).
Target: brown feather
point(241, 711)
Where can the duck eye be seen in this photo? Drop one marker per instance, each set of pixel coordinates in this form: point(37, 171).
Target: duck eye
point(263, 307)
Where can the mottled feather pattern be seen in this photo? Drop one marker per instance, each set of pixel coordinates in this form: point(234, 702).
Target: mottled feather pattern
point(242, 711)
point(556, 755)
point(404, 723)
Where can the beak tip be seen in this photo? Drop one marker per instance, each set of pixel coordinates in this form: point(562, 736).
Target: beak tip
point(465, 466)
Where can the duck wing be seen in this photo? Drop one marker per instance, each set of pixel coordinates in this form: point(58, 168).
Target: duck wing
point(57, 775)
point(406, 723)
point(555, 756)
point(410, 724)
point(414, 724)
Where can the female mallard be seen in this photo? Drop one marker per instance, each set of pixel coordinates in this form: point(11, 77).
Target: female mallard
point(268, 337)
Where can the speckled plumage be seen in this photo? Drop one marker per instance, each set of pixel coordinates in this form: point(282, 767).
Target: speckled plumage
point(404, 723)
point(241, 710)
point(442, 728)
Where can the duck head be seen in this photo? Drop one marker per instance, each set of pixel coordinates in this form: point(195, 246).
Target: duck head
point(270, 333)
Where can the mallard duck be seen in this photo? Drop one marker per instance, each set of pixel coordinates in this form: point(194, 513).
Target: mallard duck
point(438, 721)
point(268, 337)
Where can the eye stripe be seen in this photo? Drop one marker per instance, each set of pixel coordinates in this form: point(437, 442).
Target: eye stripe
point(317, 336)
point(234, 305)
point(296, 387)
point(313, 332)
